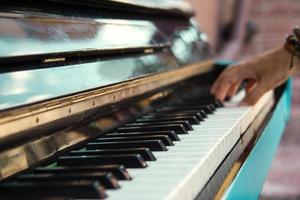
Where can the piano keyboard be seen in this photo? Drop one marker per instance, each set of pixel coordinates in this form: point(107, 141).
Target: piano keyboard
point(167, 154)
point(183, 170)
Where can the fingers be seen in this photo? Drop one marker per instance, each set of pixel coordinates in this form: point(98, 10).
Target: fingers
point(233, 89)
point(220, 89)
point(254, 95)
point(226, 84)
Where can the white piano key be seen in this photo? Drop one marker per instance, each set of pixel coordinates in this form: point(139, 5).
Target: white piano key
point(183, 170)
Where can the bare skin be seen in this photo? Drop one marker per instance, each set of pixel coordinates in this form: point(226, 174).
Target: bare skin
point(263, 72)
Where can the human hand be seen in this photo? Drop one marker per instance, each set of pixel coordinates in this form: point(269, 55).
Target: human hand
point(263, 73)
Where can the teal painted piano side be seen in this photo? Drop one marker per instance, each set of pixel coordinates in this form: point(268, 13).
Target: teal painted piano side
point(249, 181)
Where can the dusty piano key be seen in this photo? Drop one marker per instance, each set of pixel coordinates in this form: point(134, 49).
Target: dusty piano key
point(170, 115)
point(198, 115)
point(200, 97)
point(207, 108)
point(192, 120)
point(164, 138)
point(186, 107)
point(186, 124)
point(128, 160)
point(38, 190)
point(216, 103)
point(144, 152)
point(179, 129)
point(171, 134)
point(199, 102)
point(153, 145)
point(106, 179)
point(119, 171)
point(201, 113)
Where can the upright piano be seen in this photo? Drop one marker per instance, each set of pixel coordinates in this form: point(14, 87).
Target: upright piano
point(110, 100)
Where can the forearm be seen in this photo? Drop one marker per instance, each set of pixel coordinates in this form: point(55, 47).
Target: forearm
point(263, 72)
point(276, 60)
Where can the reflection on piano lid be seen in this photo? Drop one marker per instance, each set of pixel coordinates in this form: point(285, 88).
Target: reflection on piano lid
point(23, 87)
point(47, 39)
point(40, 38)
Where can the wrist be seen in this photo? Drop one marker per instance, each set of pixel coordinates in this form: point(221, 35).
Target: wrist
point(295, 61)
point(286, 62)
point(292, 46)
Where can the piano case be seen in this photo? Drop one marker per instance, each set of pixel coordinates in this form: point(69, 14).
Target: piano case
point(73, 73)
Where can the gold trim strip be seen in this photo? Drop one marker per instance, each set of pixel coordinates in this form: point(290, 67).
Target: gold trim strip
point(51, 60)
point(22, 157)
point(14, 121)
point(26, 155)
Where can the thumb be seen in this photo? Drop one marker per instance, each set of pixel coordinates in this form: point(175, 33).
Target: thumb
point(253, 95)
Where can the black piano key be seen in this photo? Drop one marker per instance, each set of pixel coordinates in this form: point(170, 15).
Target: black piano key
point(51, 189)
point(186, 124)
point(181, 107)
point(153, 145)
point(219, 103)
point(177, 107)
point(179, 129)
point(171, 134)
point(118, 171)
point(164, 138)
point(201, 113)
point(106, 179)
point(200, 102)
point(199, 98)
point(192, 120)
point(198, 115)
point(144, 152)
point(128, 160)
point(208, 107)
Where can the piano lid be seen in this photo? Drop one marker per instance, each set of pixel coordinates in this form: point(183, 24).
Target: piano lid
point(45, 56)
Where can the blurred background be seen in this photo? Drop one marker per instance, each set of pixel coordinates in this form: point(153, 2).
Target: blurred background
point(239, 29)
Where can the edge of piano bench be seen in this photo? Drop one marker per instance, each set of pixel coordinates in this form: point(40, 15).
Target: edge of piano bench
point(249, 180)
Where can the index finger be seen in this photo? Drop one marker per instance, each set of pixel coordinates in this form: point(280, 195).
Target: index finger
point(222, 88)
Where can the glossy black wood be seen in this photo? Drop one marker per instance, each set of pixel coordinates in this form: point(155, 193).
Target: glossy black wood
point(165, 8)
point(118, 171)
point(128, 160)
point(65, 189)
